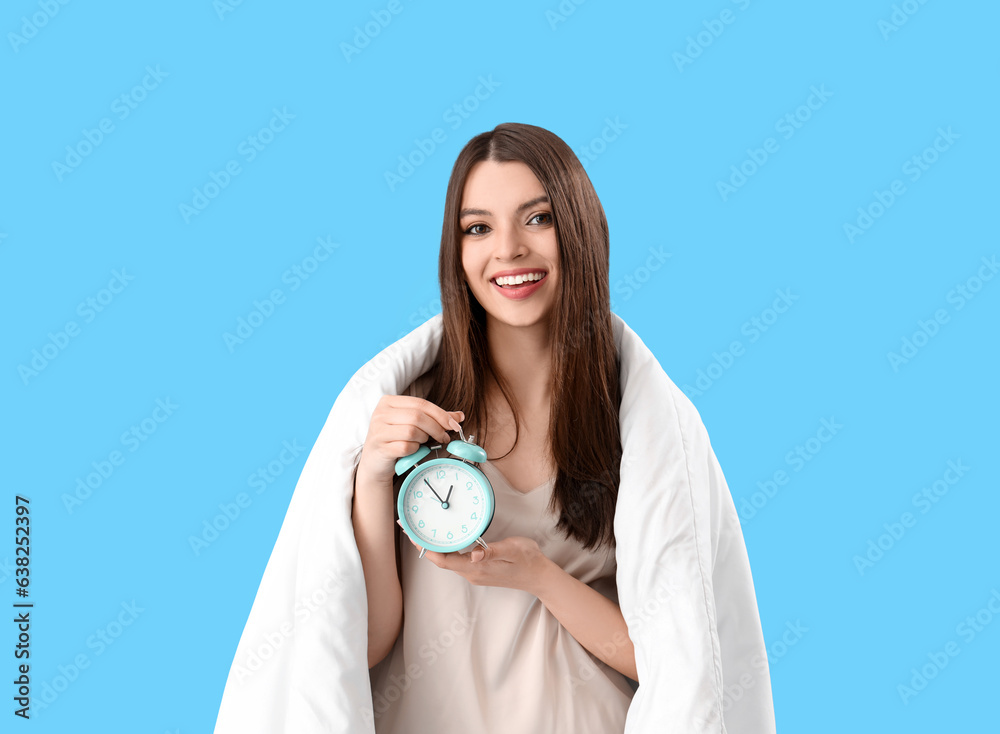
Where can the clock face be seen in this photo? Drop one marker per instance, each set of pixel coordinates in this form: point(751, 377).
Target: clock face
point(446, 504)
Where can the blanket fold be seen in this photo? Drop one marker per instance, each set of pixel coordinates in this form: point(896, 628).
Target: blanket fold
point(684, 581)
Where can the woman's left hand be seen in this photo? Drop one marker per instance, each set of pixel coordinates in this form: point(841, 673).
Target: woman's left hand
point(515, 562)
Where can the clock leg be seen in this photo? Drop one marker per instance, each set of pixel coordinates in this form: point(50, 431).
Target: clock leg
point(482, 543)
point(422, 551)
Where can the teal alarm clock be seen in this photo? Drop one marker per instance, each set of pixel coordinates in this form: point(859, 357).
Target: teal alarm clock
point(445, 504)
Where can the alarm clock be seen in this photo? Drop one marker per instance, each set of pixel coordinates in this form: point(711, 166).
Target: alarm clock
point(445, 504)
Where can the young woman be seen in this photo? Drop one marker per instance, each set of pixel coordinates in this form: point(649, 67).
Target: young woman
point(528, 635)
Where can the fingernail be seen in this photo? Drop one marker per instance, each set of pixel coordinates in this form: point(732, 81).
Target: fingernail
point(454, 425)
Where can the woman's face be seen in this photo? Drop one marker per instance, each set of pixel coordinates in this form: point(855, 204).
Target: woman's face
point(508, 229)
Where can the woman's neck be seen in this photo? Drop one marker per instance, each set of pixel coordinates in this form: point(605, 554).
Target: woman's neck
point(523, 356)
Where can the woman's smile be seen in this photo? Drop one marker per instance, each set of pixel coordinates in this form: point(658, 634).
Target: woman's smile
point(520, 284)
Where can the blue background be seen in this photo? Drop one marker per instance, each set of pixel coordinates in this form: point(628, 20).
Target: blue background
point(657, 133)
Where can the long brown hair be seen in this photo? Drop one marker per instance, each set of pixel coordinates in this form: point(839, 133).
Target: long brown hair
point(584, 431)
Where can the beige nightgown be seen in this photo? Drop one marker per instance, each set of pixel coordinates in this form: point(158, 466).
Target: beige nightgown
point(487, 659)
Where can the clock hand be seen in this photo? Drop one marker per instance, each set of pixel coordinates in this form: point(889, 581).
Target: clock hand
point(432, 490)
point(449, 493)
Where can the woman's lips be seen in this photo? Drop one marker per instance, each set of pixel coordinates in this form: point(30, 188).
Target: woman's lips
point(520, 292)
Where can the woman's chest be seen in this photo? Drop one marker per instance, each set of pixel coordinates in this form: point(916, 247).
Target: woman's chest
point(527, 465)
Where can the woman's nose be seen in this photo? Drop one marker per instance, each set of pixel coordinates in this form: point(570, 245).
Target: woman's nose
point(508, 243)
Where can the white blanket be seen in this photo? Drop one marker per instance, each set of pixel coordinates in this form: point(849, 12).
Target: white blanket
point(684, 582)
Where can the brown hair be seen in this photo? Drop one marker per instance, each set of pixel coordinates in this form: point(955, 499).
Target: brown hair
point(584, 432)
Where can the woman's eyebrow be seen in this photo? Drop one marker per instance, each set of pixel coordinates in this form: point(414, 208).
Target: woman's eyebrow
point(483, 213)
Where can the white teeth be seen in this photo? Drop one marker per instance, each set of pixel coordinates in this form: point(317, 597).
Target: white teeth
point(518, 279)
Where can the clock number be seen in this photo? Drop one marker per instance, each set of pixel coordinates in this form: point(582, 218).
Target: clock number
point(434, 530)
point(414, 508)
point(475, 500)
point(450, 535)
point(465, 528)
point(420, 524)
point(440, 473)
point(468, 485)
point(473, 517)
point(419, 493)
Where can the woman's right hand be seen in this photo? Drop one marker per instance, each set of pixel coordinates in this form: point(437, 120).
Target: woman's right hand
point(399, 425)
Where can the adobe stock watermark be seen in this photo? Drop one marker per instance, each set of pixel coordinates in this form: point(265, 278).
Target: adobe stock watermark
point(373, 367)
point(121, 106)
point(591, 151)
point(270, 642)
point(797, 458)
point(431, 651)
point(259, 481)
point(103, 469)
point(363, 36)
point(6, 570)
point(787, 125)
point(47, 10)
point(417, 317)
point(561, 14)
point(263, 309)
point(883, 200)
point(968, 629)
point(421, 314)
point(652, 606)
point(790, 637)
point(224, 7)
point(924, 501)
point(900, 15)
point(587, 493)
point(87, 309)
point(48, 691)
point(454, 116)
point(752, 328)
point(959, 296)
point(382, 358)
point(714, 27)
point(249, 148)
point(630, 284)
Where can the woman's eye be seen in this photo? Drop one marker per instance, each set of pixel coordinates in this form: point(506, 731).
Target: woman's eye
point(475, 229)
point(546, 218)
